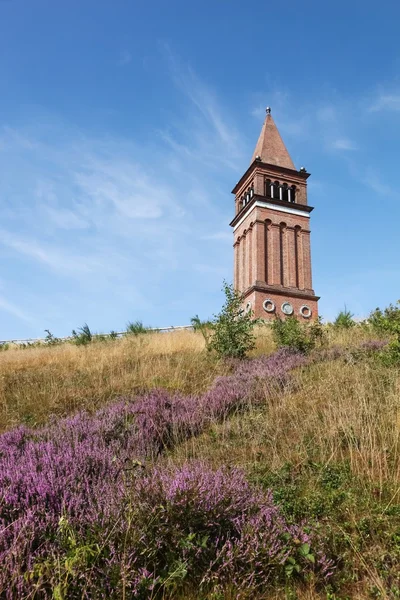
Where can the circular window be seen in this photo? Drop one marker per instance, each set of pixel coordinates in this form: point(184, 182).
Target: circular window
point(305, 311)
point(268, 305)
point(287, 308)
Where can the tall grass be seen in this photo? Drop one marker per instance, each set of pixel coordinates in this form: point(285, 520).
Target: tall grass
point(328, 444)
point(58, 380)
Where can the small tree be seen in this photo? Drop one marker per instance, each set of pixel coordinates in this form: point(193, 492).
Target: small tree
point(233, 327)
point(344, 320)
point(136, 328)
point(83, 336)
point(290, 333)
point(204, 327)
point(387, 321)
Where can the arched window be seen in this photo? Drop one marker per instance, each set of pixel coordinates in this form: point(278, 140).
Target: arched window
point(293, 193)
point(268, 188)
point(285, 192)
point(275, 193)
point(252, 191)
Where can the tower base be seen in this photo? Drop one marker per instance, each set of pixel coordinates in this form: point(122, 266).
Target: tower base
point(267, 302)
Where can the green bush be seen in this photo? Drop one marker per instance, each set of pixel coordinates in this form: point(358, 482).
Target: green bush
point(83, 336)
point(136, 328)
point(233, 328)
point(344, 320)
point(290, 333)
point(50, 339)
point(387, 321)
point(204, 327)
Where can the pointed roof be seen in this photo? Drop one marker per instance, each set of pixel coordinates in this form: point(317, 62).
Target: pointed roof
point(270, 147)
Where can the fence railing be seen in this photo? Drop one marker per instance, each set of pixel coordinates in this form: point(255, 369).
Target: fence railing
point(117, 334)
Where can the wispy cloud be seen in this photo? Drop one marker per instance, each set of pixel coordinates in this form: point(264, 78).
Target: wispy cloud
point(102, 217)
point(343, 144)
point(13, 310)
point(386, 102)
point(213, 135)
point(373, 181)
point(219, 236)
point(125, 57)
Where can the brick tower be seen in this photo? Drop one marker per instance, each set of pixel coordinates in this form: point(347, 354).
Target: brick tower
point(272, 263)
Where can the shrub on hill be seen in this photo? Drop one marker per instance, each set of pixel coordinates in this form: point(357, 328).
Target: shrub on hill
point(387, 321)
point(83, 336)
point(344, 319)
point(233, 328)
point(136, 328)
point(290, 333)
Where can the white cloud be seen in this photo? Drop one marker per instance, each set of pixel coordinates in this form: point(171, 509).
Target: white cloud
point(326, 114)
point(389, 102)
point(49, 255)
point(210, 133)
point(13, 310)
point(377, 185)
point(343, 144)
point(258, 112)
point(124, 58)
point(219, 236)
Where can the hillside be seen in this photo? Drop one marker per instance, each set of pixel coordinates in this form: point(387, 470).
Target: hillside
point(146, 468)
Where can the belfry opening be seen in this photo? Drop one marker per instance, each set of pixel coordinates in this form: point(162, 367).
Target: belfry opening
point(271, 227)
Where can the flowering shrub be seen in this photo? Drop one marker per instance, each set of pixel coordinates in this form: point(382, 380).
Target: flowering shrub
point(80, 517)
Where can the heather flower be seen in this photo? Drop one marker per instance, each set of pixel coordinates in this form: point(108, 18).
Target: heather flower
point(74, 498)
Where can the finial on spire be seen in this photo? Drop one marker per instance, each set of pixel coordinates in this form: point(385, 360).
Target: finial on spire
point(268, 110)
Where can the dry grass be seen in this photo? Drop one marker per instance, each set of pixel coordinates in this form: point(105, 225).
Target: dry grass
point(335, 411)
point(343, 412)
point(344, 416)
point(38, 382)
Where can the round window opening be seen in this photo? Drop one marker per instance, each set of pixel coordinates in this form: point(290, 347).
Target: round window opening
point(268, 305)
point(305, 311)
point(287, 308)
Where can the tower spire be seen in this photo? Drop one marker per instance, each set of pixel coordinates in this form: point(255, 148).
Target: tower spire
point(270, 147)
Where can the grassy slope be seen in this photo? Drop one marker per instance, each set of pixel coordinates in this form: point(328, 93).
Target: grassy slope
point(329, 448)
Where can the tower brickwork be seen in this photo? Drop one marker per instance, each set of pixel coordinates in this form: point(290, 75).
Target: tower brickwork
point(272, 250)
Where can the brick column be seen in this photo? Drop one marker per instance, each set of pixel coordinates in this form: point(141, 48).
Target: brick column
point(274, 259)
point(268, 251)
point(236, 266)
point(243, 277)
point(250, 278)
point(259, 184)
point(290, 232)
point(259, 251)
point(307, 260)
point(299, 257)
point(285, 256)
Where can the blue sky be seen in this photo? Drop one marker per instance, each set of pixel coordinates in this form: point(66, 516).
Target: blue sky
point(125, 124)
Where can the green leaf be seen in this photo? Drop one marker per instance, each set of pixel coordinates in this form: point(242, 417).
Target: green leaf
point(305, 549)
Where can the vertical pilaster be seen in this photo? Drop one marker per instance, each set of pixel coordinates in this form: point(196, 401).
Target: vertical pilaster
point(292, 267)
point(243, 278)
point(260, 257)
point(307, 260)
point(236, 266)
point(250, 259)
point(284, 255)
point(274, 260)
point(259, 183)
point(267, 251)
point(300, 258)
